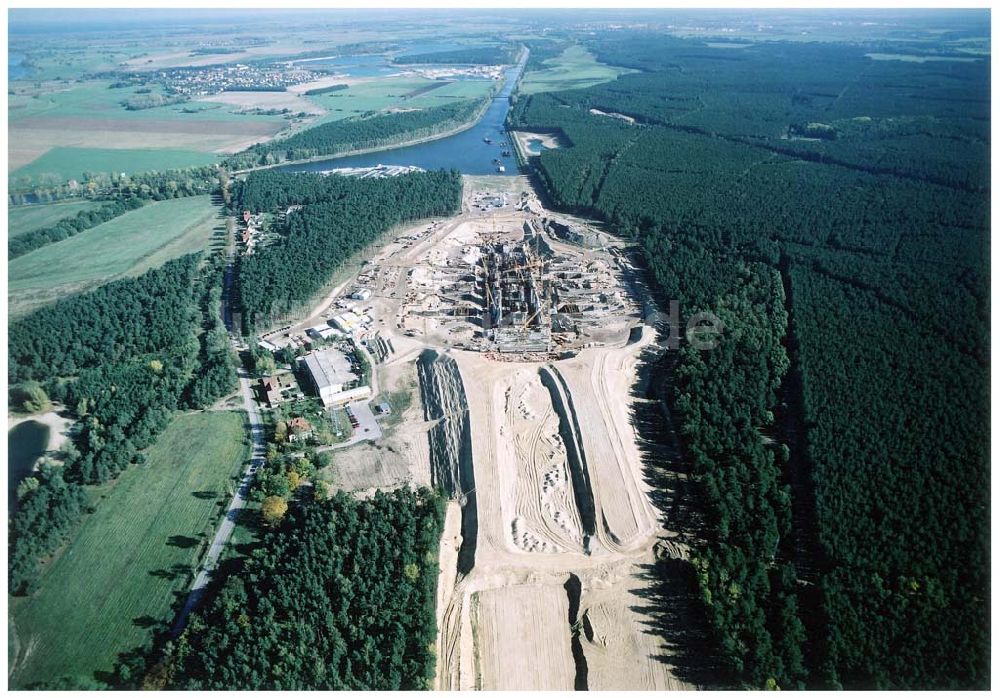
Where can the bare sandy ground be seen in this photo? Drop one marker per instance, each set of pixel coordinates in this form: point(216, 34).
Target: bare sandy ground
point(523, 638)
point(621, 648)
point(549, 140)
point(537, 496)
point(524, 554)
point(600, 381)
point(613, 115)
point(451, 541)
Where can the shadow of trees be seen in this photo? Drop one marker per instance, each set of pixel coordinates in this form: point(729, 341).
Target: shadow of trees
point(670, 601)
point(183, 542)
point(176, 571)
point(145, 622)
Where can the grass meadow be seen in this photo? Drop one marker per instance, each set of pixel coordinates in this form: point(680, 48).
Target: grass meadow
point(395, 92)
point(96, 99)
point(575, 68)
point(63, 164)
point(24, 219)
point(364, 97)
point(452, 92)
point(67, 129)
point(129, 244)
point(130, 561)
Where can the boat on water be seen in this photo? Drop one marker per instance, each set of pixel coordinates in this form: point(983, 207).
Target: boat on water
point(501, 168)
point(487, 140)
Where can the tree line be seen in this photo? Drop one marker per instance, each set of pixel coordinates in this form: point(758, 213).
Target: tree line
point(68, 227)
point(341, 596)
point(368, 131)
point(136, 350)
point(338, 217)
point(148, 186)
point(859, 264)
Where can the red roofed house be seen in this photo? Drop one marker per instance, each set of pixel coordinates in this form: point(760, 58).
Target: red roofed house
point(272, 390)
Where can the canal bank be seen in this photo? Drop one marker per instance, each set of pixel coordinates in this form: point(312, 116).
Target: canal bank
point(470, 148)
point(331, 162)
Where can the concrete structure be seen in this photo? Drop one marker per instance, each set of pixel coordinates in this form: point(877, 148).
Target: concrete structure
point(512, 282)
point(331, 374)
point(359, 393)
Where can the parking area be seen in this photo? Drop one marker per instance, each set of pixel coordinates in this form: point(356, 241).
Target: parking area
point(366, 428)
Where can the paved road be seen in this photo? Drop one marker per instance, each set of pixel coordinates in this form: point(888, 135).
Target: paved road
point(235, 505)
point(225, 529)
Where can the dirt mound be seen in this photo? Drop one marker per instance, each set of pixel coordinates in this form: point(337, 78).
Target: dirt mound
point(444, 401)
point(534, 468)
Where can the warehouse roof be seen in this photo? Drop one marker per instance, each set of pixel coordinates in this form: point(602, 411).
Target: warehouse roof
point(329, 367)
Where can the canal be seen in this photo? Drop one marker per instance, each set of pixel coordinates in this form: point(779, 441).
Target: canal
point(467, 151)
point(25, 444)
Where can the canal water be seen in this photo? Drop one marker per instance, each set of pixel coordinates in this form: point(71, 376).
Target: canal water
point(25, 444)
point(355, 66)
point(466, 151)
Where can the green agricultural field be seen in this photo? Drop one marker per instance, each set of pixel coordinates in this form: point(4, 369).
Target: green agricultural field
point(374, 95)
point(62, 164)
point(97, 99)
point(129, 244)
point(575, 68)
point(131, 559)
point(51, 126)
point(24, 219)
point(396, 93)
point(452, 92)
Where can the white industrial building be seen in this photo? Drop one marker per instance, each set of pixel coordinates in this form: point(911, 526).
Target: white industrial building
point(332, 376)
point(347, 322)
point(362, 294)
point(323, 331)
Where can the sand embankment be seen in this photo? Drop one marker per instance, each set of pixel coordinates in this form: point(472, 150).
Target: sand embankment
point(58, 426)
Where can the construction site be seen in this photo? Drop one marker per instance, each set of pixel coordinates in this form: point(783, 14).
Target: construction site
point(521, 333)
point(513, 287)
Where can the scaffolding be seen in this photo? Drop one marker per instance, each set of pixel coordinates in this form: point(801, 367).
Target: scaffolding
point(511, 278)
